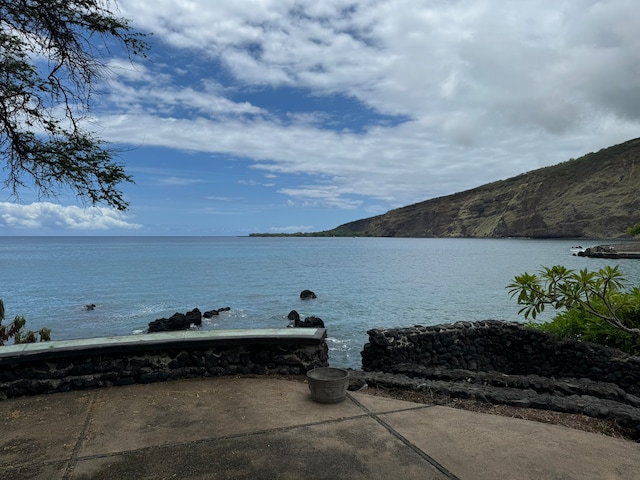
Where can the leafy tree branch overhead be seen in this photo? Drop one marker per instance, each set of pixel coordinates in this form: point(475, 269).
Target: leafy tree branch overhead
point(52, 52)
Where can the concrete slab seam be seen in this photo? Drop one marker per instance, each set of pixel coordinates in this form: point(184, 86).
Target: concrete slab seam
point(68, 472)
point(397, 434)
point(213, 439)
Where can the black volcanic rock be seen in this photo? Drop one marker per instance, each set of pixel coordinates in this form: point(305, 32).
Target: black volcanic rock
point(309, 322)
point(215, 311)
point(194, 316)
point(177, 321)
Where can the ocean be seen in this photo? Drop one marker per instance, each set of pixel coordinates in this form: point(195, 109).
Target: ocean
point(360, 283)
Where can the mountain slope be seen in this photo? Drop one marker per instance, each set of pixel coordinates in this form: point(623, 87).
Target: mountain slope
point(595, 196)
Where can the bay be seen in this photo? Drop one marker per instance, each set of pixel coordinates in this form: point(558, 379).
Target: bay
point(360, 283)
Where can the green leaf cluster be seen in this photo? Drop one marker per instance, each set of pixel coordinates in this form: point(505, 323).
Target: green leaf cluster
point(593, 305)
point(576, 324)
point(15, 330)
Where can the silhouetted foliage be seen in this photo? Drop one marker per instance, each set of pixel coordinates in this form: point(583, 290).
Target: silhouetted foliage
point(15, 330)
point(51, 54)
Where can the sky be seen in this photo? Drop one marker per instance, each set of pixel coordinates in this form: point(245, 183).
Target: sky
point(284, 116)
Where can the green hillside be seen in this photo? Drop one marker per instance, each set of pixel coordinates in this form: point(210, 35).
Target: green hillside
point(595, 196)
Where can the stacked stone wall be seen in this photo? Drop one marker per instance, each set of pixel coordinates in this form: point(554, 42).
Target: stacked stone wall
point(495, 346)
point(64, 371)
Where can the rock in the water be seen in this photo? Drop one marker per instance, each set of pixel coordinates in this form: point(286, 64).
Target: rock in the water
point(307, 294)
point(309, 322)
point(177, 321)
point(194, 316)
point(294, 316)
point(215, 311)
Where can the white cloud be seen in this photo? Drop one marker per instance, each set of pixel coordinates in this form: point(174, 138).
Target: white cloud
point(319, 196)
point(253, 183)
point(491, 88)
point(138, 88)
point(178, 181)
point(397, 55)
point(45, 216)
point(219, 199)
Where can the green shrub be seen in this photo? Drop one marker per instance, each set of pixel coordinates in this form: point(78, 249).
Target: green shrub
point(592, 306)
point(633, 231)
point(577, 324)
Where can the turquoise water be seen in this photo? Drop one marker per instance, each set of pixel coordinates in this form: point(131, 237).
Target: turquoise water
point(361, 283)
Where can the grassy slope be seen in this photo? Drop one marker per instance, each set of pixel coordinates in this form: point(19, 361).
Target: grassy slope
point(595, 196)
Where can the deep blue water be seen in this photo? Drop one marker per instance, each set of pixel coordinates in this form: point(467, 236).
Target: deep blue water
point(361, 283)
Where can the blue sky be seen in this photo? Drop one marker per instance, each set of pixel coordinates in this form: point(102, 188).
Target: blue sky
point(286, 116)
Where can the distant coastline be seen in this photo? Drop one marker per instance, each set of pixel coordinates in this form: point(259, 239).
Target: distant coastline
point(327, 233)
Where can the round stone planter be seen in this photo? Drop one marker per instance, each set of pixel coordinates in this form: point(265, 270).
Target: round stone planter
point(327, 384)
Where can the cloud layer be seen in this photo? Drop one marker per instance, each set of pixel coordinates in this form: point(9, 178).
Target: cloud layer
point(45, 216)
point(485, 89)
point(355, 106)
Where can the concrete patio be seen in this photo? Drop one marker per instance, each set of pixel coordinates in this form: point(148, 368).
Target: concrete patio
point(269, 428)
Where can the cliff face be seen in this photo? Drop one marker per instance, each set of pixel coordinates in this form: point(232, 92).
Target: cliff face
point(595, 196)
